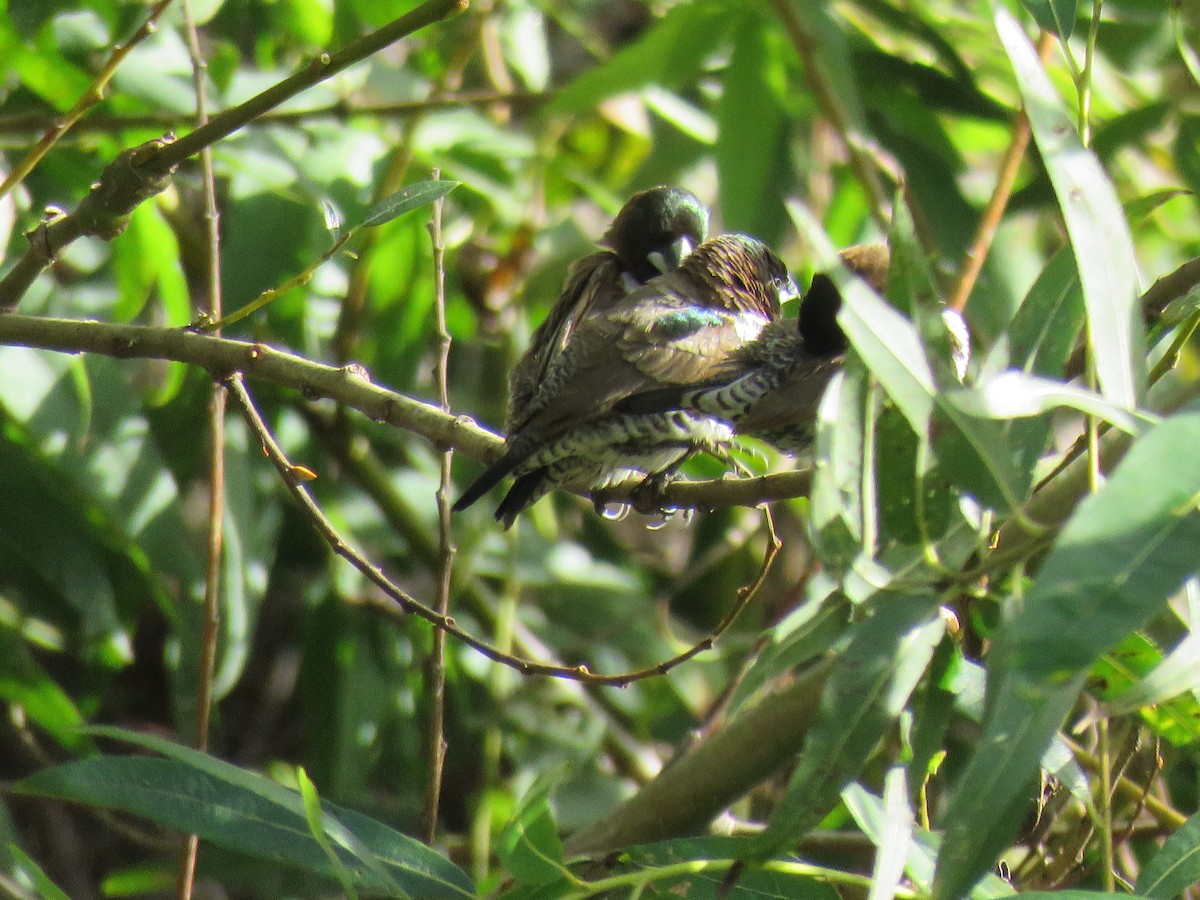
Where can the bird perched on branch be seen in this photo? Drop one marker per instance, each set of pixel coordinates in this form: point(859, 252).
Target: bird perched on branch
point(651, 235)
point(580, 425)
point(770, 387)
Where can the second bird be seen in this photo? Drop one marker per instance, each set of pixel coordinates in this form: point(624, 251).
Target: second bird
point(580, 424)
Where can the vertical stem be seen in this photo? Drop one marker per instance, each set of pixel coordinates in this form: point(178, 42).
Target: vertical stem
point(437, 657)
point(1104, 804)
point(985, 234)
point(1085, 77)
point(216, 453)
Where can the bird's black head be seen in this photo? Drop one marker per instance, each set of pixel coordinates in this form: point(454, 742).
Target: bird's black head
point(744, 273)
point(818, 324)
point(818, 311)
point(655, 230)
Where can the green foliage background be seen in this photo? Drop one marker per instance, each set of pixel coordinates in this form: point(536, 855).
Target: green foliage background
point(938, 658)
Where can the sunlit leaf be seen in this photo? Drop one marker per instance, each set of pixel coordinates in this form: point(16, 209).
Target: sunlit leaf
point(1095, 221)
point(412, 197)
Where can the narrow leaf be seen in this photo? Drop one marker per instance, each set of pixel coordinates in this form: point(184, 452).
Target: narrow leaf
point(412, 197)
point(886, 657)
point(896, 840)
point(46, 888)
point(1176, 867)
point(754, 87)
point(529, 845)
point(249, 814)
point(1123, 553)
point(1095, 222)
point(1013, 395)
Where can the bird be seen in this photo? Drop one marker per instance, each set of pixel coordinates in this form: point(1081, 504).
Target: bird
point(650, 236)
point(769, 388)
point(676, 330)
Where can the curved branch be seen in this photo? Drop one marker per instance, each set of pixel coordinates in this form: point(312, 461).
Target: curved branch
point(350, 386)
point(141, 172)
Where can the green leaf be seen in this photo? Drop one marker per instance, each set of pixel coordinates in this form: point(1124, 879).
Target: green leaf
point(46, 889)
point(1013, 395)
point(668, 54)
point(422, 193)
point(836, 501)
point(1095, 222)
point(316, 827)
point(866, 692)
point(250, 814)
point(530, 846)
point(896, 840)
point(24, 683)
point(1174, 868)
point(1121, 555)
point(1000, 780)
point(1055, 16)
point(751, 153)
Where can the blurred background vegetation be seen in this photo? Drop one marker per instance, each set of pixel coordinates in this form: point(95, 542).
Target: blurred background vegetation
point(549, 113)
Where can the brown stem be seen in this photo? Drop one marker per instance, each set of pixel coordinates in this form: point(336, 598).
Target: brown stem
point(436, 745)
point(985, 234)
point(216, 450)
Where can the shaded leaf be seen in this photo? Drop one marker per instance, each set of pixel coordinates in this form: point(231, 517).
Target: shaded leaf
point(246, 812)
point(1174, 868)
point(886, 656)
point(1055, 16)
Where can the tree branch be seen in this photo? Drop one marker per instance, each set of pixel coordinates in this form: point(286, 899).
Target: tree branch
point(141, 172)
point(350, 386)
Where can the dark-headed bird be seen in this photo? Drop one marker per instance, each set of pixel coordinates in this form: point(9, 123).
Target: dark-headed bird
point(651, 235)
point(581, 425)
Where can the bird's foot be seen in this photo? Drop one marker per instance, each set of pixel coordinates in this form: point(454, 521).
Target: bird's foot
point(647, 497)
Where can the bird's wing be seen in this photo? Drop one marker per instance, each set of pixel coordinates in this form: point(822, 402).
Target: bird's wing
point(593, 284)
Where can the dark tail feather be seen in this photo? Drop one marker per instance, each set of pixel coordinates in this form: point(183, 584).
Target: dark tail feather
point(523, 492)
point(488, 480)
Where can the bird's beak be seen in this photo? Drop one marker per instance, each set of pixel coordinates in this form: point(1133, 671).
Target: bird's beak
point(668, 260)
point(788, 290)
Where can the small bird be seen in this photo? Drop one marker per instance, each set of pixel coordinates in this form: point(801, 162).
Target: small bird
point(581, 425)
point(769, 388)
point(651, 235)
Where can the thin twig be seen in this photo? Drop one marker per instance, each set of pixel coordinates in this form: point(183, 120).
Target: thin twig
point(985, 233)
point(216, 450)
point(93, 95)
point(399, 603)
point(436, 681)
